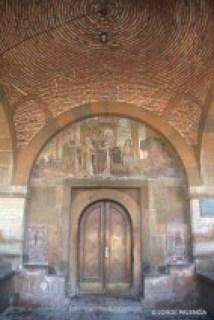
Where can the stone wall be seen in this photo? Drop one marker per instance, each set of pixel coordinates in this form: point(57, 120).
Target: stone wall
point(11, 231)
point(11, 244)
point(178, 287)
point(109, 152)
point(115, 150)
point(202, 234)
point(36, 288)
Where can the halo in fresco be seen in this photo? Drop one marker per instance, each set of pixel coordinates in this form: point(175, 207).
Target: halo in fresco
point(106, 147)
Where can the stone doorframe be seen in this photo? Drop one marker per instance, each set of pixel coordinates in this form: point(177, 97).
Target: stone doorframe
point(84, 198)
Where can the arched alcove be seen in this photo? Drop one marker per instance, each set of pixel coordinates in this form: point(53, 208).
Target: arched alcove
point(104, 147)
point(26, 157)
point(116, 154)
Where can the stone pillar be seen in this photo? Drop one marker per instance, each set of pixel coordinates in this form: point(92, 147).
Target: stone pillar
point(144, 207)
point(202, 224)
point(12, 207)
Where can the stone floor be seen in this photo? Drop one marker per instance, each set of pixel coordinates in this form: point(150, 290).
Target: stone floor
point(103, 309)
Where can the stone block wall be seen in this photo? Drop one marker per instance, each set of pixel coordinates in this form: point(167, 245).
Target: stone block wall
point(11, 230)
point(36, 287)
point(176, 287)
point(203, 237)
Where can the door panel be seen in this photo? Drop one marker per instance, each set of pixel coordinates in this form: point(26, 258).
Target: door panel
point(90, 247)
point(105, 249)
point(117, 265)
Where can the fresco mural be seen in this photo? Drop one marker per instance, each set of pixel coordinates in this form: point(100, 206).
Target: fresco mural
point(105, 147)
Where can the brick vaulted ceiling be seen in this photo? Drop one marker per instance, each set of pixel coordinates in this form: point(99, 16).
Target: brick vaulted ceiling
point(160, 56)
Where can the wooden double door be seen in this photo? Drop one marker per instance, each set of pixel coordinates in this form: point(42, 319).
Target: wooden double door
point(105, 249)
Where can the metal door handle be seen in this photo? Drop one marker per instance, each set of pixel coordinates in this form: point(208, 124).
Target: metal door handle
point(106, 252)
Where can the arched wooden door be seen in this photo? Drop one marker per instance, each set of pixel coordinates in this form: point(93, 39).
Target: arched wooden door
point(105, 249)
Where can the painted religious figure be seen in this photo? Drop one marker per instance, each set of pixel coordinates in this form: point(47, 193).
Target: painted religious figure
point(128, 155)
point(104, 147)
point(87, 157)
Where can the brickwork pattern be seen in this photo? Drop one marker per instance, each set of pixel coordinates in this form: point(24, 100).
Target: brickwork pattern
point(52, 59)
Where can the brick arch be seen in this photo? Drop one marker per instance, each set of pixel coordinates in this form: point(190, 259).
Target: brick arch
point(26, 157)
point(207, 147)
point(7, 141)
